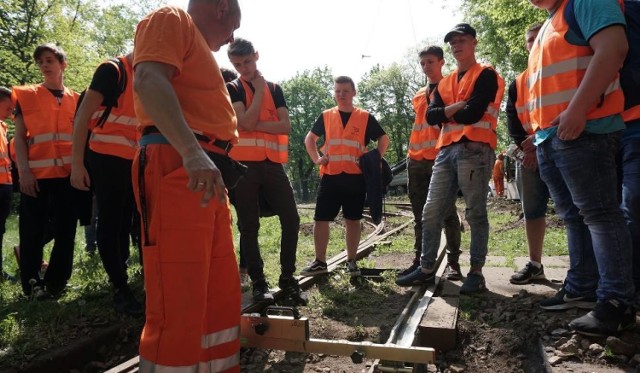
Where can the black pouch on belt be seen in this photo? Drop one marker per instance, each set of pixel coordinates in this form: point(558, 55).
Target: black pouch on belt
point(230, 169)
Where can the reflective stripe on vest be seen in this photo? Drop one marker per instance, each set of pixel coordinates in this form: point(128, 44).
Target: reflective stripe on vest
point(117, 136)
point(556, 69)
point(113, 139)
point(53, 162)
point(521, 102)
point(344, 144)
point(49, 125)
point(262, 143)
point(117, 119)
point(452, 90)
point(215, 365)
point(423, 138)
point(259, 146)
point(46, 137)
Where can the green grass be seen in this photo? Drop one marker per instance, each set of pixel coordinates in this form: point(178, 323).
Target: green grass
point(506, 233)
point(30, 327)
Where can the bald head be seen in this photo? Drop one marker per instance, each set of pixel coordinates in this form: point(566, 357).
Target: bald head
point(216, 20)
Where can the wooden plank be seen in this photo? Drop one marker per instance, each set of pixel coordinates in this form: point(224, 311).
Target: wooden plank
point(438, 326)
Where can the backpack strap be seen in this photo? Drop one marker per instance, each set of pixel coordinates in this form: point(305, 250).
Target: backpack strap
point(122, 85)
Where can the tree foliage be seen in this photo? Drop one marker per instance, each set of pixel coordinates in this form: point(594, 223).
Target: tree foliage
point(88, 32)
point(501, 25)
point(386, 93)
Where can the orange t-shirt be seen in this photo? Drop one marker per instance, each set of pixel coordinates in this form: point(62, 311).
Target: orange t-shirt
point(169, 35)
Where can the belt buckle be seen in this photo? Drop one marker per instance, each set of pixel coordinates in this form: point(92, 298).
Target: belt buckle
point(219, 144)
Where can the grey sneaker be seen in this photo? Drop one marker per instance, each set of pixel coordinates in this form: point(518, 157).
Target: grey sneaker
point(316, 267)
point(417, 277)
point(607, 318)
point(452, 272)
point(261, 292)
point(352, 268)
point(564, 300)
point(527, 274)
point(473, 284)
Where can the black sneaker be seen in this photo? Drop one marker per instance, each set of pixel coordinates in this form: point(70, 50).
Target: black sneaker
point(452, 272)
point(55, 290)
point(90, 249)
point(352, 268)
point(39, 293)
point(473, 284)
point(527, 274)
point(291, 293)
point(125, 302)
point(607, 318)
point(563, 300)
point(414, 265)
point(315, 268)
point(261, 291)
point(417, 277)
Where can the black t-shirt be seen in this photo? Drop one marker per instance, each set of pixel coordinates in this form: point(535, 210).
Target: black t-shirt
point(484, 93)
point(57, 93)
point(372, 133)
point(239, 95)
point(105, 81)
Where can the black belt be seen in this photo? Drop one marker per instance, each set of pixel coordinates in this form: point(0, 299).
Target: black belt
point(224, 145)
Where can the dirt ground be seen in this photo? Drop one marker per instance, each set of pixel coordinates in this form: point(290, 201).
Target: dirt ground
point(502, 330)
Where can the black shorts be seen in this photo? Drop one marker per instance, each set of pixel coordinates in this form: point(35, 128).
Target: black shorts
point(343, 190)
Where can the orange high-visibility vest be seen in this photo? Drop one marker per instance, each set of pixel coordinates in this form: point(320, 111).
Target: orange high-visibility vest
point(49, 125)
point(343, 144)
point(258, 146)
point(118, 135)
point(423, 139)
point(632, 113)
point(556, 69)
point(451, 91)
point(521, 102)
point(5, 161)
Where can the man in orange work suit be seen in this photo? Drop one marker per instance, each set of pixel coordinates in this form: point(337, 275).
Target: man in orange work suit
point(191, 274)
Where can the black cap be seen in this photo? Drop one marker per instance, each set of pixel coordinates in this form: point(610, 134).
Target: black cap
point(460, 28)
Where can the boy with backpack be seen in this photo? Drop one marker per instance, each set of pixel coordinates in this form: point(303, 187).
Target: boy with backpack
point(106, 109)
point(575, 106)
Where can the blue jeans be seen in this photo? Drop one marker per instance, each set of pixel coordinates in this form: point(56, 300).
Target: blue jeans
point(419, 177)
point(581, 176)
point(466, 166)
point(534, 193)
point(629, 167)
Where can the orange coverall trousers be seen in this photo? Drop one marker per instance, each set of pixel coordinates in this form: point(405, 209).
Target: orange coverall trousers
point(190, 271)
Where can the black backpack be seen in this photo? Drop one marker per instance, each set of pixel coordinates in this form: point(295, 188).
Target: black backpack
point(630, 72)
point(110, 102)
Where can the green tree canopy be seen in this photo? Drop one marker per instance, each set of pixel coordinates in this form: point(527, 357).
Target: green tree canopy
point(88, 32)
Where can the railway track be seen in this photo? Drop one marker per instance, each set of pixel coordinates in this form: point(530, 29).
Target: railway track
point(269, 329)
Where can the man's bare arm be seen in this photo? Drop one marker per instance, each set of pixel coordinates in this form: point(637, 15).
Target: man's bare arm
point(152, 82)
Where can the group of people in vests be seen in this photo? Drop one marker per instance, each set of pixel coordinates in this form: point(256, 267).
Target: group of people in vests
point(151, 130)
point(52, 151)
point(579, 134)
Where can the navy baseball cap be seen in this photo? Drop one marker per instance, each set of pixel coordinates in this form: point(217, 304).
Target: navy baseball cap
point(460, 28)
